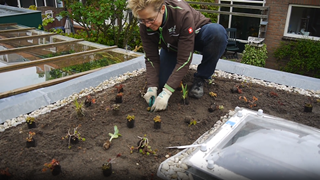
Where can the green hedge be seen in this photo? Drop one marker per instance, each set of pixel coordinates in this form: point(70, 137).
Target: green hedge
point(300, 57)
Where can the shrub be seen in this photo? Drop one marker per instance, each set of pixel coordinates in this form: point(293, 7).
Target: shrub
point(255, 55)
point(212, 16)
point(300, 57)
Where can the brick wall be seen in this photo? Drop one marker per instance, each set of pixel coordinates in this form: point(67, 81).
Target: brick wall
point(277, 21)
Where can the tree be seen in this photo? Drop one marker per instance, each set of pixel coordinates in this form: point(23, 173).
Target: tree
point(105, 21)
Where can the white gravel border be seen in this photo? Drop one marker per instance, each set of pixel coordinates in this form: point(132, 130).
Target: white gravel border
point(119, 79)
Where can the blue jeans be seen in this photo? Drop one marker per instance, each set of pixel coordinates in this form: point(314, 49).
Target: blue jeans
point(211, 42)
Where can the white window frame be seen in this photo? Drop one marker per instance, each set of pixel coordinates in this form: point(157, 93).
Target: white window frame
point(285, 33)
point(262, 2)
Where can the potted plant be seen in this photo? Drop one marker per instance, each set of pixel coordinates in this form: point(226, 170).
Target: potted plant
point(30, 122)
point(184, 94)
point(79, 110)
point(116, 134)
point(143, 146)
point(130, 121)
point(308, 105)
point(119, 97)
point(115, 109)
point(236, 89)
point(5, 174)
point(119, 88)
point(89, 100)
point(157, 122)
point(212, 107)
point(73, 138)
point(31, 142)
point(107, 167)
point(54, 166)
point(47, 21)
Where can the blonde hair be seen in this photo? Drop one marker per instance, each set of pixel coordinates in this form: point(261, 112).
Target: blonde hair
point(139, 5)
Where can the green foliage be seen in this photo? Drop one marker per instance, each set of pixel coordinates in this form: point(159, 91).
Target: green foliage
point(119, 29)
point(212, 16)
point(76, 135)
point(57, 54)
point(33, 7)
point(255, 55)
point(115, 134)
point(79, 107)
point(301, 57)
point(58, 73)
point(184, 91)
point(45, 21)
point(30, 119)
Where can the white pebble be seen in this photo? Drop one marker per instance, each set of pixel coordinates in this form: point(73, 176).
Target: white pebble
point(182, 176)
point(165, 166)
point(184, 166)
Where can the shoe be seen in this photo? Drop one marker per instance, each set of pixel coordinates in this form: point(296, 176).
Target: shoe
point(196, 90)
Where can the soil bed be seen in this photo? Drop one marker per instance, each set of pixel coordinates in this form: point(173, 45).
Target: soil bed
point(84, 159)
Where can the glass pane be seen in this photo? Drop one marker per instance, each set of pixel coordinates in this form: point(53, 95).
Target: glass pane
point(27, 3)
point(51, 3)
point(40, 3)
point(304, 21)
point(12, 3)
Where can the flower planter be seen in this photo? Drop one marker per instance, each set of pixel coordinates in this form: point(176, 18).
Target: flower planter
point(130, 123)
point(32, 125)
point(87, 103)
point(107, 169)
point(74, 140)
point(157, 125)
point(307, 108)
point(56, 170)
point(119, 99)
point(236, 89)
point(31, 143)
point(210, 109)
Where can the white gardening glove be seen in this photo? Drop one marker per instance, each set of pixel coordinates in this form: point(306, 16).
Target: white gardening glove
point(152, 91)
point(161, 101)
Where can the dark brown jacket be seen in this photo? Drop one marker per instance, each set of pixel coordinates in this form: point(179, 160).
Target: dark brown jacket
point(177, 33)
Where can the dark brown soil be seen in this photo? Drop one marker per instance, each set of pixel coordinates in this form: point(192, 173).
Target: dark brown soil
point(84, 160)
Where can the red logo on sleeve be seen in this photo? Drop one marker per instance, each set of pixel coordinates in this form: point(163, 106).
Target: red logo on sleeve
point(190, 30)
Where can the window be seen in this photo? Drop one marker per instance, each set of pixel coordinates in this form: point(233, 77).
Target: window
point(303, 22)
point(246, 26)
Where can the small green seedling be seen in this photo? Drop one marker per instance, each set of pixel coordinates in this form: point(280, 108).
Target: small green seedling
point(193, 122)
point(143, 146)
point(184, 91)
point(74, 137)
point(79, 107)
point(116, 134)
point(221, 107)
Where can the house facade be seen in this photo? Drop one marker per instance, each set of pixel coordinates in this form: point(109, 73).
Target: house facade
point(274, 20)
point(289, 20)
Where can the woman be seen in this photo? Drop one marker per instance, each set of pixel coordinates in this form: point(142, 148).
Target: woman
point(180, 30)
